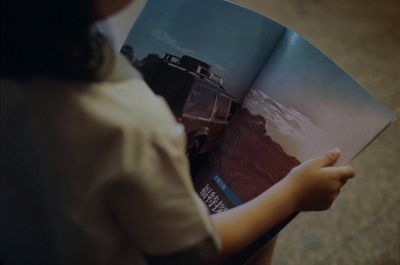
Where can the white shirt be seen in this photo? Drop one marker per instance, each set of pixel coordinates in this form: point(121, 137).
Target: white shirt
point(114, 182)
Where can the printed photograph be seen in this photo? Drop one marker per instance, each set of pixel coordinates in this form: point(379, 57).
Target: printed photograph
point(301, 106)
point(256, 98)
point(202, 63)
point(310, 105)
point(234, 41)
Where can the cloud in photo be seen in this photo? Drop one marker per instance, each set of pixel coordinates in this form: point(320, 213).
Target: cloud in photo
point(166, 38)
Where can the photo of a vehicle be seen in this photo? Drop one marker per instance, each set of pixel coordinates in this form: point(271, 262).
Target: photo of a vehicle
point(195, 95)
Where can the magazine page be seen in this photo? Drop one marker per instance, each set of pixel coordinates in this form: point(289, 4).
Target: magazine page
point(202, 57)
point(300, 106)
point(223, 42)
point(310, 105)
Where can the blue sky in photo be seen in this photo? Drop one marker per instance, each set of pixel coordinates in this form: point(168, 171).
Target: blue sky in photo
point(300, 76)
point(234, 40)
point(241, 45)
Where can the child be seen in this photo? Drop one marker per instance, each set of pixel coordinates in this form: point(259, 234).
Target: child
point(93, 163)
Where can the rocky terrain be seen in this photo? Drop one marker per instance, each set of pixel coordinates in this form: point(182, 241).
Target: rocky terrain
point(247, 160)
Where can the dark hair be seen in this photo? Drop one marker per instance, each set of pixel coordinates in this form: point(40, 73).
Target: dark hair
point(50, 38)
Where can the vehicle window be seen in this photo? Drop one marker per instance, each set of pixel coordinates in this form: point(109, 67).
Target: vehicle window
point(232, 109)
point(223, 105)
point(201, 101)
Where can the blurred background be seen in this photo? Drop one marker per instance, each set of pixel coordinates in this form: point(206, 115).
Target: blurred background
point(363, 37)
point(363, 226)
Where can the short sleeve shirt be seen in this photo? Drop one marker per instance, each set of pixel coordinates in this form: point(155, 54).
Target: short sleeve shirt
point(115, 153)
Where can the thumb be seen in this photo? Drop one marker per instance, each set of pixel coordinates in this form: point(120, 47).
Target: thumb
point(330, 158)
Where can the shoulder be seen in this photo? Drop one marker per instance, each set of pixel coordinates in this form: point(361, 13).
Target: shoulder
point(124, 99)
point(121, 101)
point(127, 103)
point(117, 117)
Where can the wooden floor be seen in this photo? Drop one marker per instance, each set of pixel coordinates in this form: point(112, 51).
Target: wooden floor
point(363, 226)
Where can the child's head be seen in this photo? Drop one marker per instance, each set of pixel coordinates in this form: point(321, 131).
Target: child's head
point(53, 37)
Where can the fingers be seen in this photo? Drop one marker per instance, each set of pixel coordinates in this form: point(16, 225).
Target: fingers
point(329, 159)
point(342, 173)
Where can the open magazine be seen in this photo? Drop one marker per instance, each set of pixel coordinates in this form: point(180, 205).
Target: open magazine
point(255, 97)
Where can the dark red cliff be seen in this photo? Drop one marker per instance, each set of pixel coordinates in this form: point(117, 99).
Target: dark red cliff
point(248, 160)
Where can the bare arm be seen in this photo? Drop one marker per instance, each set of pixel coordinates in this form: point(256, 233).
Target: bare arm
point(240, 226)
point(312, 185)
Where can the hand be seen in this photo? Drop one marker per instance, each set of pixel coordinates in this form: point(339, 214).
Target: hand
point(316, 183)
